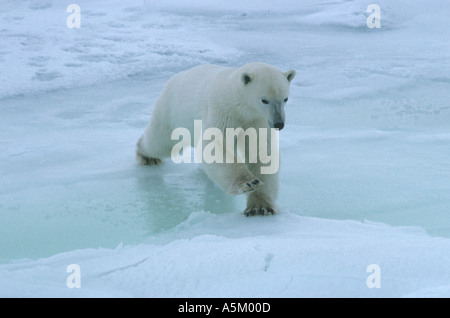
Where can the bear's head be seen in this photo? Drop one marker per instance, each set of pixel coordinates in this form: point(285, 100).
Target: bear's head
point(265, 90)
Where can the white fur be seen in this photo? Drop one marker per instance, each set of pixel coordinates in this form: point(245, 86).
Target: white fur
point(221, 97)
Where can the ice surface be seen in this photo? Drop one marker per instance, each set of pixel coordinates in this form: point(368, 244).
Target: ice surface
point(229, 255)
point(365, 167)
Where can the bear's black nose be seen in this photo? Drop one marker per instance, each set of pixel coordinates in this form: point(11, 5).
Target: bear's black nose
point(279, 125)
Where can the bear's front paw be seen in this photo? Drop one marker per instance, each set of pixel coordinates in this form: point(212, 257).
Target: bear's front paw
point(246, 186)
point(259, 210)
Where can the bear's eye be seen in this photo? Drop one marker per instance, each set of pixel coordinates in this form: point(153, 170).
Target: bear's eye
point(286, 99)
point(264, 101)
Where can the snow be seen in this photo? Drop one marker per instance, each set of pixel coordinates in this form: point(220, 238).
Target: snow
point(365, 173)
point(283, 256)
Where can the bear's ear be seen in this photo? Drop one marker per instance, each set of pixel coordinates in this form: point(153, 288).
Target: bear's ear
point(290, 75)
point(246, 78)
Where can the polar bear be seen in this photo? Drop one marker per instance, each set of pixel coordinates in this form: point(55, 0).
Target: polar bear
point(250, 96)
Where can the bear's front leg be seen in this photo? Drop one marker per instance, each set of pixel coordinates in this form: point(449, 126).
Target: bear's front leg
point(262, 200)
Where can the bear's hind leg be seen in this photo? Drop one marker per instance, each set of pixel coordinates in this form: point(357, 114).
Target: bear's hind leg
point(143, 158)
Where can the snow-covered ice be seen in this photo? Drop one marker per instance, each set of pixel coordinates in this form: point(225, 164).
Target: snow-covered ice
point(229, 255)
point(365, 156)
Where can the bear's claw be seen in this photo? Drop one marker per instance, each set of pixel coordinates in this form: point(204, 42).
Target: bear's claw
point(259, 211)
point(244, 186)
point(250, 186)
point(147, 161)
